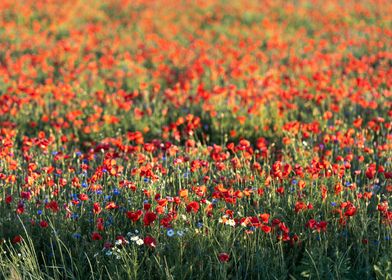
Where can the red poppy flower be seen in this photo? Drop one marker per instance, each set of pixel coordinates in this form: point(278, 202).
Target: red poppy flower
point(8, 199)
point(147, 206)
point(20, 209)
point(96, 208)
point(284, 228)
point(280, 190)
point(183, 193)
point(383, 206)
point(52, 205)
point(96, 236)
point(83, 197)
point(299, 206)
point(322, 226)
point(193, 206)
point(223, 257)
point(17, 239)
point(301, 184)
point(149, 218)
point(150, 241)
point(44, 224)
point(264, 217)
point(371, 171)
point(311, 223)
point(134, 216)
point(266, 229)
point(111, 205)
point(25, 195)
point(351, 210)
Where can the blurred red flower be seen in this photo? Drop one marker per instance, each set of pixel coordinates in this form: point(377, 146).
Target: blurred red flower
point(150, 241)
point(96, 236)
point(149, 218)
point(223, 257)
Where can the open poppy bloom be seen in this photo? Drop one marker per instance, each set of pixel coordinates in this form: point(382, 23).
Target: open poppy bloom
point(150, 241)
point(223, 257)
point(96, 236)
point(149, 218)
point(17, 239)
point(193, 207)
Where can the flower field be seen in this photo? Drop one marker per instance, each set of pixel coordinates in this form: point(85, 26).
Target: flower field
point(203, 139)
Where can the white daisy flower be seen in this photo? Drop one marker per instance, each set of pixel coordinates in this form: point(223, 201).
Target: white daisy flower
point(135, 238)
point(231, 222)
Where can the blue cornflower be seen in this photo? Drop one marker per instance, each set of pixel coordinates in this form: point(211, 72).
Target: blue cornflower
point(170, 232)
point(76, 235)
